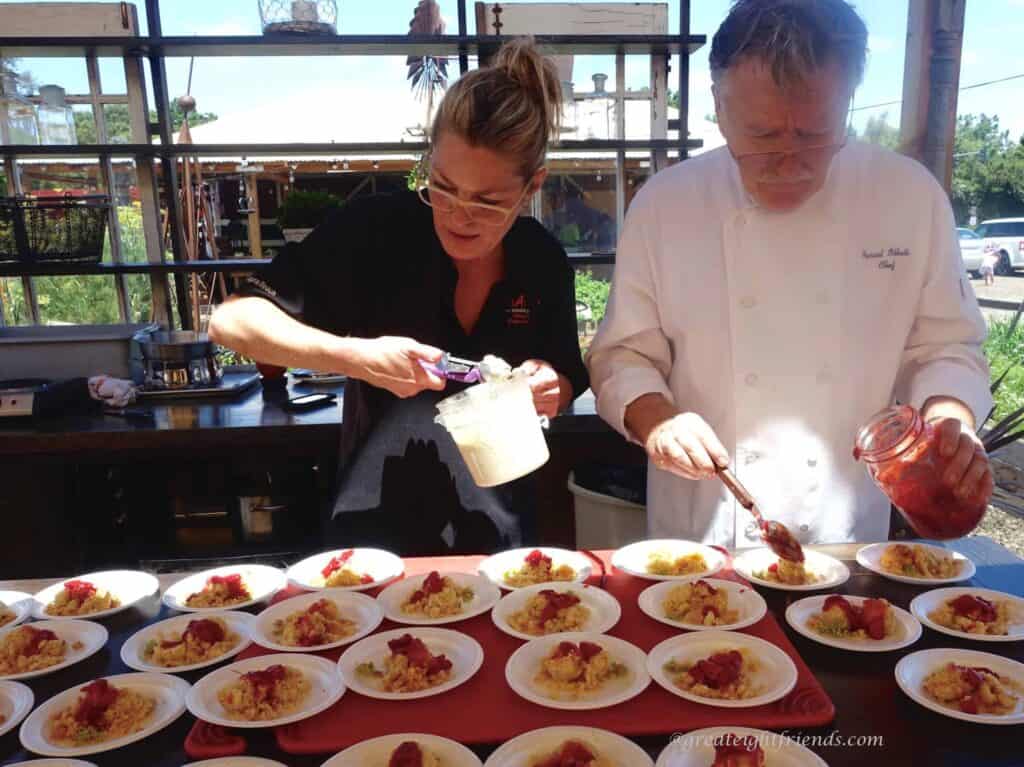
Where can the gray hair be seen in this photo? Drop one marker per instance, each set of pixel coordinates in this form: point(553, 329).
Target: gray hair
point(794, 38)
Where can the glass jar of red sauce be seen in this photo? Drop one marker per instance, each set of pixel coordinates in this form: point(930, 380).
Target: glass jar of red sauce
point(901, 452)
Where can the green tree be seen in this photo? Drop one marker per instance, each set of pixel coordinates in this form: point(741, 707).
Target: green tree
point(877, 130)
point(119, 123)
point(988, 169)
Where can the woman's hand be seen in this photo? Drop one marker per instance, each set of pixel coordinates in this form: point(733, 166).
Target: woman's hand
point(395, 364)
point(547, 386)
point(968, 473)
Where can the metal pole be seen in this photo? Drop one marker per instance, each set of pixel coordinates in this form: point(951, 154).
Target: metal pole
point(169, 163)
point(463, 32)
point(684, 77)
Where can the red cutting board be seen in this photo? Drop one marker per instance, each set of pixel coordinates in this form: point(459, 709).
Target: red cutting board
point(486, 710)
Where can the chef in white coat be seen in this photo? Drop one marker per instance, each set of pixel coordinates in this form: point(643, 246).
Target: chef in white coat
point(770, 296)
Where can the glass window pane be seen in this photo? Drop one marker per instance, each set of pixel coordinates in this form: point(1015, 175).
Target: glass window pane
point(593, 283)
point(12, 298)
point(81, 299)
point(85, 124)
point(112, 76)
point(55, 177)
point(140, 297)
point(578, 202)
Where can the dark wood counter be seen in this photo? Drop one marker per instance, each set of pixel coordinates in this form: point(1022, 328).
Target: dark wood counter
point(96, 485)
point(251, 419)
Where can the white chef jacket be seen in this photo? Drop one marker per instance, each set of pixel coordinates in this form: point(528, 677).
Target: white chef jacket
point(786, 332)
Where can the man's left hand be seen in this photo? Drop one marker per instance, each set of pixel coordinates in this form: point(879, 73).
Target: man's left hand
point(546, 386)
point(968, 472)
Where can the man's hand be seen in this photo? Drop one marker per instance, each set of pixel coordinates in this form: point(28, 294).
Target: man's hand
point(687, 446)
point(395, 364)
point(968, 473)
point(546, 386)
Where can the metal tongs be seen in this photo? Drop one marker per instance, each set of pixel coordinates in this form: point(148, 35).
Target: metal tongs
point(775, 534)
point(455, 369)
point(468, 371)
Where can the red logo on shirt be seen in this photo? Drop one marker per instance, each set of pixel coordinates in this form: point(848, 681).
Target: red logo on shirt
point(518, 313)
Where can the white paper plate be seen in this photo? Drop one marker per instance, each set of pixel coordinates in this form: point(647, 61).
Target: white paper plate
point(93, 637)
point(261, 580)
point(130, 586)
point(605, 610)
point(365, 612)
point(326, 688)
point(930, 601)
point(485, 596)
point(835, 572)
point(465, 653)
point(777, 673)
point(378, 750)
point(912, 670)
point(236, 761)
point(53, 763)
point(615, 748)
point(908, 630)
point(696, 749)
point(382, 566)
point(16, 700)
point(495, 567)
point(633, 558)
point(746, 600)
point(525, 663)
point(871, 558)
point(19, 603)
point(168, 691)
point(131, 650)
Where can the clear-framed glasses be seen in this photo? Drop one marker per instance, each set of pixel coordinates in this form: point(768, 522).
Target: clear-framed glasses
point(813, 154)
point(480, 212)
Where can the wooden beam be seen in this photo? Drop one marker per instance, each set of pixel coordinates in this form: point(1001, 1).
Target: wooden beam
point(255, 236)
point(931, 81)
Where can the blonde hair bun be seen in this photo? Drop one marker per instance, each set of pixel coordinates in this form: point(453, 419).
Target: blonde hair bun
point(513, 106)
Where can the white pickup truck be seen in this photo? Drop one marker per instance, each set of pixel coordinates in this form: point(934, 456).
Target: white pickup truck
point(1005, 236)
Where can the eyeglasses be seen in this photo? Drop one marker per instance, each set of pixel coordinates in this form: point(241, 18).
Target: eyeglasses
point(479, 212)
point(810, 154)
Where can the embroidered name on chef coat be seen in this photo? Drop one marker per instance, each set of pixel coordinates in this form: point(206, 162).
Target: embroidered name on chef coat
point(885, 258)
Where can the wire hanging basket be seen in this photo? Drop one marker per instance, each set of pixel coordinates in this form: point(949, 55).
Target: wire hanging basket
point(303, 17)
point(64, 229)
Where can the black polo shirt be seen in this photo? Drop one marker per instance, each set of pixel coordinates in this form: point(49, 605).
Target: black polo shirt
point(376, 267)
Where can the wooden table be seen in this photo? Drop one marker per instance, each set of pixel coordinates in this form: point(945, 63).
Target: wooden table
point(869, 704)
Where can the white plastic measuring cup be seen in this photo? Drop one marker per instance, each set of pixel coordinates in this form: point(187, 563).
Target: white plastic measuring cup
point(497, 430)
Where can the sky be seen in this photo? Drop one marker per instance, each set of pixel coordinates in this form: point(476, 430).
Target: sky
point(994, 29)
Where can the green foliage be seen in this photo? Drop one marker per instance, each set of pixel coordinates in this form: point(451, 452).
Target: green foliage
point(305, 210)
point(988, 170)
point(119, 124)
point(1004, 348)
point(417, 177)
point(877, 130)
point(87, 299)
point(593, 292)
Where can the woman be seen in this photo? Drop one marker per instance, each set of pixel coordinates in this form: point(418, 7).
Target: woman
point(390, 283)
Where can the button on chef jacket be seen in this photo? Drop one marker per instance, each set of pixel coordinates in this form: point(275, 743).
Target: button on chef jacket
point(786, 332)
point(376, 268)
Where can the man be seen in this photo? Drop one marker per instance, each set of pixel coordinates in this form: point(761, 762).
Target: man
point(770, 296)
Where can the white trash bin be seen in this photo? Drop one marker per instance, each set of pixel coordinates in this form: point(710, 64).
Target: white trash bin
point(604, 521)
